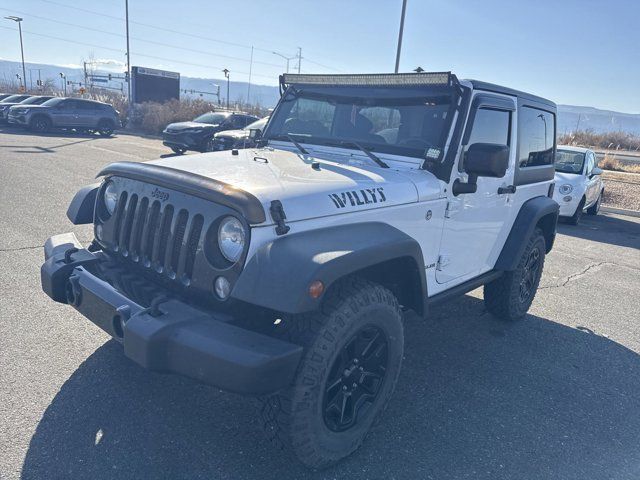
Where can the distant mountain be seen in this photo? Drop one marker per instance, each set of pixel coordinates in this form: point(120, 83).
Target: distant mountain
point(570, 117)
point(265, 95)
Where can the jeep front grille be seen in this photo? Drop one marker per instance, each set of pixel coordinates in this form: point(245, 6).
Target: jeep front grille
point(157, 236)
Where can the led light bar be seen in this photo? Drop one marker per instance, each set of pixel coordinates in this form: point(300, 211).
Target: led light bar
point(370, 79)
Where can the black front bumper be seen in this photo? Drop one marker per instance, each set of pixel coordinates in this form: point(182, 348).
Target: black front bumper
point(170, 336)
point(189, 141)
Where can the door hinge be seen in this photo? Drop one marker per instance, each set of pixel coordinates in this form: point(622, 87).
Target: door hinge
point(278, 215)
point(443, 261)
point(451, 209)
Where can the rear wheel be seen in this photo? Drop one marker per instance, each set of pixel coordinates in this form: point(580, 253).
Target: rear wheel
point(106, 128)
point(595, 208)
point(40, 124)
point(178, 150)
point(353, 353)
point(510, 296)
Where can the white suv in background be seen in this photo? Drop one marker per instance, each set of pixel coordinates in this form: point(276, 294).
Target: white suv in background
point(579, 185)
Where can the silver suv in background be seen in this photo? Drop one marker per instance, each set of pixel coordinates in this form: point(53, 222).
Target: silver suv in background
point(71, 113)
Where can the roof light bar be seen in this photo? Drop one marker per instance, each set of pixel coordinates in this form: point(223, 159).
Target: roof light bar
point(371, 79)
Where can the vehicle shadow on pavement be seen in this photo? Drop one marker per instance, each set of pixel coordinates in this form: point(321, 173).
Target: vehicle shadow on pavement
point(610, 229)
point(477, 398)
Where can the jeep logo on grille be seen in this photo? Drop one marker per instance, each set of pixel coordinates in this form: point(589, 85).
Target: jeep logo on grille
point(160, 195)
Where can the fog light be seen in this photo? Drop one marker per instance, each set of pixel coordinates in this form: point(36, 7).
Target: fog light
point(315, 289)
point(222, 287)
point(568, 198)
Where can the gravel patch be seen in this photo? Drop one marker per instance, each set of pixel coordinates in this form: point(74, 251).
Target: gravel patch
point(622, 190)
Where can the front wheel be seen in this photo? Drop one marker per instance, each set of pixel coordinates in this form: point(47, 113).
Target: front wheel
point(105, 128)
point(510, 296)
point(353, 353)
point(40, 124)
point(178, 150)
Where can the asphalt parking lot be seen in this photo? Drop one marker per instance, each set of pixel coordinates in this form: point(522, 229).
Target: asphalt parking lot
point(555, 396)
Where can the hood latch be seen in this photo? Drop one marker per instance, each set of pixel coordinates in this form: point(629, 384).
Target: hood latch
point(278, 215)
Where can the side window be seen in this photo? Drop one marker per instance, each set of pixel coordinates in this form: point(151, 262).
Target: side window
point(489, 126)
point(537, 129)
point(86, 106)
point(67, 105)
point(238, 121)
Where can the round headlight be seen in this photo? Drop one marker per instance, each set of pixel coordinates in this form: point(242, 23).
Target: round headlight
point(231, 238)
point(566, 188)
point(110, 198)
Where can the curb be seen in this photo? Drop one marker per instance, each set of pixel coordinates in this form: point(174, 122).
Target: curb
point(620, 211)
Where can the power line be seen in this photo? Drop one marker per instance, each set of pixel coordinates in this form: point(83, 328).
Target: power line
point(138, 54)
point(138, 39)
point(192, 35)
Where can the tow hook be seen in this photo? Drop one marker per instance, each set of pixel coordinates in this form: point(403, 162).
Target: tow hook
point(278, 215)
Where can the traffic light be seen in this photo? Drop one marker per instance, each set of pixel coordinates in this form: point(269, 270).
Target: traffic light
point(109, 77)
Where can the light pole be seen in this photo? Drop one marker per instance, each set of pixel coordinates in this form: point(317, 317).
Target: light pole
point(404, 9)
point(18, 20)
point(126, 16)
point(63, 79)
point(287, 59)
point(226, 75)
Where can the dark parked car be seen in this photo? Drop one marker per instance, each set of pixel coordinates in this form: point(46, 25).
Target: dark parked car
point(237, 138)
point(198, 134)
point(8, 102)
point(5, 95)
point(69, 113)
point(34, 100)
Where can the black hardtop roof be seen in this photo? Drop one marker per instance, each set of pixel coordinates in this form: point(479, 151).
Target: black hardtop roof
point(491, 87)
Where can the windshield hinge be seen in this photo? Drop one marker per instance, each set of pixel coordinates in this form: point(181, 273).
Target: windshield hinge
point(278, 215)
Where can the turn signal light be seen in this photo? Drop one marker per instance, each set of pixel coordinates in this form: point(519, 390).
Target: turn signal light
point(316, 289)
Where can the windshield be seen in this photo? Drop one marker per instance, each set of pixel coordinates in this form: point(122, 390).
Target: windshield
point(212, 118)
point(569, 162)
point(14, 99)
point(53, 102)
point(405, 121)
point(34, 100)
point(258, 124)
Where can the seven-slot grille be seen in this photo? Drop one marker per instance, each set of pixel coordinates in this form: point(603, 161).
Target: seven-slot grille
point(157, 235)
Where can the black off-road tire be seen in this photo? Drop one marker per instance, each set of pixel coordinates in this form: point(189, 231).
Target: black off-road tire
point(595, 208)
point(40, 124)
point(106, 128)
point(575, 219)
point(178, 151)
point(504, 297)
point(295, 419)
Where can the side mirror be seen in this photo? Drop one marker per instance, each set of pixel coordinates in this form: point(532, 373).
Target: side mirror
point(255, 134)
point(487, 160)
point(596, 171)
point(482, 160)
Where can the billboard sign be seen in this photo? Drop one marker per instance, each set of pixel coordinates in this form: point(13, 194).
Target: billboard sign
point(151, 85)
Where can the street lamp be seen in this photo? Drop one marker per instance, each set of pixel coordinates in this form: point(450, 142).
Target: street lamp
point(286, 58)
point(18, 20)
point(63, 79)
point(226, 75)
point(400, 33)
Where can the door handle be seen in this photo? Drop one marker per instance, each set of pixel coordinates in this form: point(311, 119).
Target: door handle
point(509, 189)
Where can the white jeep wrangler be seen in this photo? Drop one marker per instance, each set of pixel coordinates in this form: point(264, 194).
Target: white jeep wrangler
point(282, 271)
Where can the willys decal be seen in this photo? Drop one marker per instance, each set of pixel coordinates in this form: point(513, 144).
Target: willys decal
point(357, 198)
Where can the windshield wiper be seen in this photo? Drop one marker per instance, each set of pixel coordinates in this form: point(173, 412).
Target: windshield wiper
point(298, 146)
point(366, 151)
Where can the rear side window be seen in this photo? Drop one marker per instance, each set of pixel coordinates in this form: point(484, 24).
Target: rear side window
point(537, 131)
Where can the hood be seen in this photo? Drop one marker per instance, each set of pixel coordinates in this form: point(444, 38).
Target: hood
point(178, 126)
point(306, 192)
point(572, 178)
point(233, 134)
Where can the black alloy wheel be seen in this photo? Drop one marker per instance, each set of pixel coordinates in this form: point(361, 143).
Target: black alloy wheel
point(529, 275)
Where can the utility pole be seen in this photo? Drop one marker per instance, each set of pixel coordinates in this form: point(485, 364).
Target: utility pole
point(249, 85)
point(18, 20)
point(299, 58)
point(126, 15)
point(404, 9)
point(226, 75)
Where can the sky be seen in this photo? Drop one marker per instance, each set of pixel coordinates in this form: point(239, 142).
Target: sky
point(577, 52)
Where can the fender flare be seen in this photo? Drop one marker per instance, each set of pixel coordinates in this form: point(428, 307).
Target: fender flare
point(537, 211)
point(278, 275)
point(81, 208)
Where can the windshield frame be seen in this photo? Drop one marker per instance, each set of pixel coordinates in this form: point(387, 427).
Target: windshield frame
point(293, 91)
point(571, 152)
